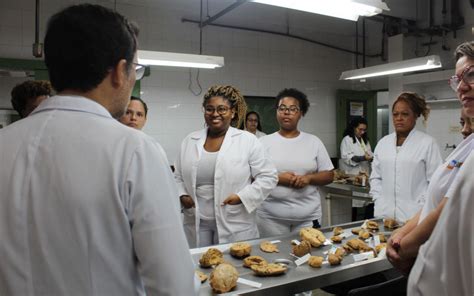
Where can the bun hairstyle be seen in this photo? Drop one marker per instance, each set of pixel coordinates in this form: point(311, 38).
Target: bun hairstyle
point(416, 102)
point(235, 98)
point(465, 49)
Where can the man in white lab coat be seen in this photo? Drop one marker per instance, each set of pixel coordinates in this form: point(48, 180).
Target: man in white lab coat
point(88, 206)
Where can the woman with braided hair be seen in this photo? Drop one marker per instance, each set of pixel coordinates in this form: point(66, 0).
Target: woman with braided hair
point(214, 171)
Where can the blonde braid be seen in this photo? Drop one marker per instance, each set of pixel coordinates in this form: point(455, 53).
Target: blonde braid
point(235, 98)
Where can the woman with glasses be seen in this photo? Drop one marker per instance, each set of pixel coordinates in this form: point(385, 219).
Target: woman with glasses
point(356, 153)
point(303, 164)
point(356, 156)
point(222, 173)
point(444, 247)
point(444, 264)
point(252, 124)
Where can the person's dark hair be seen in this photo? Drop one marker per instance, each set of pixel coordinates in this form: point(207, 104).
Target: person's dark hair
point(298, 95)
point(465, 49)
point(416, 102)
point(259, 126)
point(83, 42)
point(234, 97)
point(133, 98)
point(355, 122)
point(28, 91)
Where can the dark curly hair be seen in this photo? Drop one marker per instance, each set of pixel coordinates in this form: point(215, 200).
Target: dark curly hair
point(298, 95)
point(416, 102)
point(234, 97)
point(352, 125)
point(28, 91)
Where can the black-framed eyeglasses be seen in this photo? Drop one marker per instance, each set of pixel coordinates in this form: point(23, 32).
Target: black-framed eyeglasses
point(291, 109)
point(139, 70)
point(221, 110)
point(467, 76)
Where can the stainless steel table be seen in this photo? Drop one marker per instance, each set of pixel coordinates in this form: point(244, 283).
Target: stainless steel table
point(296, 279)
point(344, 191)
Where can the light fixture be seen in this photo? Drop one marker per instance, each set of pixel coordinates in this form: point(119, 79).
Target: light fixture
point(345, 9)
point(172, 59)
point(418, 64)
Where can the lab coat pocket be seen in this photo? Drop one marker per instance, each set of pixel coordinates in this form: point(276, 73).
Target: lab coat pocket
point(189, 216)
point(236, 215)
point(235, 210)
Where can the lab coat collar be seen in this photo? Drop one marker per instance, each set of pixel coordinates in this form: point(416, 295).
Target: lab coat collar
point(202, 134)
point(410, 136)
point(72, 103)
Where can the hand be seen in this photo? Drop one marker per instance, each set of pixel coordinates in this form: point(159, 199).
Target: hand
point(401, 263)
point(396, 238)
point(232, 199)
point(286, 178)
point(187, 201)
point(368, 157)
point(301, 181)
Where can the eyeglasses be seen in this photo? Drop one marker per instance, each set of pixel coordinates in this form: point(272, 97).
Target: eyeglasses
point(467, 76)
point(221, 110)
point(291, 109)
point(139, 70)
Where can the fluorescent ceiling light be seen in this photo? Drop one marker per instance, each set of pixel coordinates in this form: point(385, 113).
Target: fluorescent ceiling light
point(345, 9)
point(424, 63)
point(161, 58)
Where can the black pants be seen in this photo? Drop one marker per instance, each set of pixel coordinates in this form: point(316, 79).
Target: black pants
point(316, 224)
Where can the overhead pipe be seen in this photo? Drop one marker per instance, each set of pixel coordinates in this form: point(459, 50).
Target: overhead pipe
point(222, 12)
point(185, 20)
point(357, 44)
point(363, 42)
point(37, 46)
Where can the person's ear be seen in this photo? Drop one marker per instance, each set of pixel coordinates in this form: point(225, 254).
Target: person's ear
point(120, 73)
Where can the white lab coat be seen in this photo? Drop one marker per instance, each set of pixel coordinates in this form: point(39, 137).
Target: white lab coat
point(399, 181)
point(445, 263)
point(350, 149)
point(240, 159)
point(87, 207)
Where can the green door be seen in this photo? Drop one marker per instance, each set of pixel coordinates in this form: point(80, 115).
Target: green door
point(351, 104)
point(265, 106)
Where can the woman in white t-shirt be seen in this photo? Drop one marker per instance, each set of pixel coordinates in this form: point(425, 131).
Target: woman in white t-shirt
point(252, 124)
point(303, 164)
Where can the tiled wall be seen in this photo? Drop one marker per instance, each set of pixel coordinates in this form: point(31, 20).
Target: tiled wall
point(258, 64)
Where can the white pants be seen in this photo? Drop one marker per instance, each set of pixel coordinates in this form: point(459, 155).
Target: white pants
point(208, 235)
point(272, 227)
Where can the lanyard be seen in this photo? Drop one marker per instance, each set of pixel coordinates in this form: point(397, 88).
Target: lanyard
point(361, 144)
